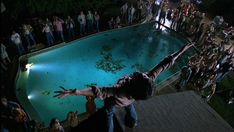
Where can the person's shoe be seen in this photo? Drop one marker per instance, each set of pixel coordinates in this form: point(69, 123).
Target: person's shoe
point(134, 125)
point(131, 124)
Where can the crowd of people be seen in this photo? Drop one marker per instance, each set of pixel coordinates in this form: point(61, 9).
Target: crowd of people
point(14, 117)
point(214, 61)
point(204, 72)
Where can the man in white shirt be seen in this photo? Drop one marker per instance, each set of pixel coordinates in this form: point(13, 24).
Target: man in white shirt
point(131, 12)
point(4, 55)
point(82, 21)
point(124, 12)
point(16, 39)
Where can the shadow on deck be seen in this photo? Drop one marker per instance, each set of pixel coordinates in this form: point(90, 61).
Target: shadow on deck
point(178, 112)
point(96, 123)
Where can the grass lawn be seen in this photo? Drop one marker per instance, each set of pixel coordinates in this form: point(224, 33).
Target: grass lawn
point(225, 110)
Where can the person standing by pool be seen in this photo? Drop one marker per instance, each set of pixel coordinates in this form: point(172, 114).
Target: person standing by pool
point(12, 113)
point(49, 35)
point(124, 12)
point(58, 24)
point(117, 22)
point(96, 21)
point(55, 126)
point(90, 18)
point(81, 19)
point(131, 12)
point(70, 27)
point(4, 55)
point(137, 86)
point(27, 31)
point(90, 104)
point(16, 39)
point(139, 9)
point(111, 23)
point(72, 120)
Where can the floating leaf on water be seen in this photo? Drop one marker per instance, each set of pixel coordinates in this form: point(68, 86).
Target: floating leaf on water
point(152, 53)
point(91, 84)
point(138, 67)
point(107, 63)
point(114, 39)
point(45, 93)
point(106, 48)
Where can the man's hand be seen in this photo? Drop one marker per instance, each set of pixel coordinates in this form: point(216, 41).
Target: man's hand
point(187, 46)
point(182, 50)
point(65, 92)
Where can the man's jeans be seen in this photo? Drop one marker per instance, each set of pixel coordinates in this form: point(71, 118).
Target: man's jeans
point(82, 29)
point(28, 38)
point(130, 117)
point(20, 48)
point(71, 33)
point(50, 38)
point(60, 35)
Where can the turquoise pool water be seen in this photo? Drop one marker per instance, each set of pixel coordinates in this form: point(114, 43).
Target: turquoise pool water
point(96, 60)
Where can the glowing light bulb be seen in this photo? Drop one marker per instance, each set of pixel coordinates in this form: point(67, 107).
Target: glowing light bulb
point(29, 66)
point(29, 96)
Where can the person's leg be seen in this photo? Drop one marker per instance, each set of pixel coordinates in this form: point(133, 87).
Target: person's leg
point(20, 48)
point(72, 33)
point(88, 26)
point(97, 25)
point(129, 17)
point(61, 35)
point(28, 41)
point(51, 38)
point(91, 26)
point(82, 29)
point(8, 59)
point(4, 61)
point(163, 20)
point(69, 33)
point(48, 39)
point(32, 38)
point(3, 66)
point(110, 111)
point(131, 116)
point(172, 24)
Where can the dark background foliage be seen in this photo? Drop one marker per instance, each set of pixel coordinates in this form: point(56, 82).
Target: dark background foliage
point(25, 8)
point(223, 8)
point(19, 11)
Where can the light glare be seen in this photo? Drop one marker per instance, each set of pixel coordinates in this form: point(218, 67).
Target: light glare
point(28, 66)
point(29, 96)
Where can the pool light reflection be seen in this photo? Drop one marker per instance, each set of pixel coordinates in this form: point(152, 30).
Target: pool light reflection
point(29, 96)
point(28, 66)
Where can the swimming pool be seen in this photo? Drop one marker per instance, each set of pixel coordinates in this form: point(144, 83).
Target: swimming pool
point(99, 59)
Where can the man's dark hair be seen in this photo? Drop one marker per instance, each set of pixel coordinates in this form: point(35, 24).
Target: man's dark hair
point(139, 87)
point(52, 122)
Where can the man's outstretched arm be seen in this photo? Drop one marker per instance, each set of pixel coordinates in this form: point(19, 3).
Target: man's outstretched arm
point(167, 62)
point(68, 92)
point(101, 93)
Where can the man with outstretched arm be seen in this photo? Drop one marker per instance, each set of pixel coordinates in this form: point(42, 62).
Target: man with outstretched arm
point(137, 86)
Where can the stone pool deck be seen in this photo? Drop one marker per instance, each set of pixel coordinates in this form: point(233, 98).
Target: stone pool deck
point(176, 112)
